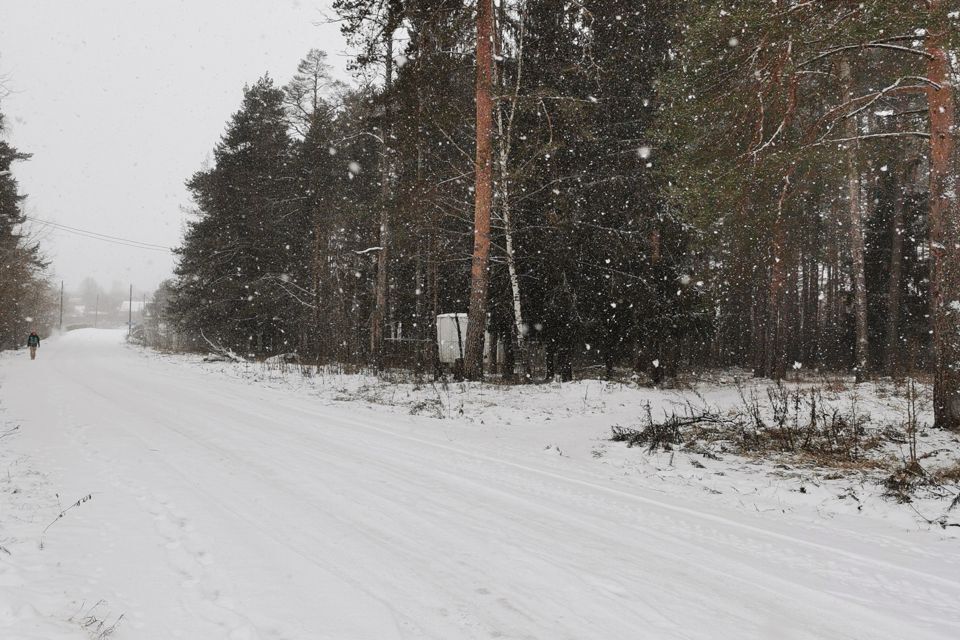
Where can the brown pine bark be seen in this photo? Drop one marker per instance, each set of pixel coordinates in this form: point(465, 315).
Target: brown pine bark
point(483, 194)
point(944, 221)
point(782, 255)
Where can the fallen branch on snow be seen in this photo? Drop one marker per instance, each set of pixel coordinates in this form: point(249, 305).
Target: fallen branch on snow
point(222, 351)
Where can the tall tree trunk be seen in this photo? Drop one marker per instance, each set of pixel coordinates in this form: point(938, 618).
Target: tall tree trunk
point(519, 327)
point(505, 139)
point(483, 194)
point(760, 285)
point(894, 284)
point(855, 222)
point(755, 285)
point(381, 299)
point(775, 363)
point(833, 339)
point(944, 220)
point(318, 344)
point(792, 309)
point(811, 314)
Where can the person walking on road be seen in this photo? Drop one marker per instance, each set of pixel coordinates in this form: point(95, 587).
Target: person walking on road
point(33, 342)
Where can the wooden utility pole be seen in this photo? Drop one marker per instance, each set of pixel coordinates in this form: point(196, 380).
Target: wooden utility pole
point(483, 194)
point(96, 312)
point(130, 313)
point(61, 305)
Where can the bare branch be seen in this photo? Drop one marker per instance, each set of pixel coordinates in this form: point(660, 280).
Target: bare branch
point(867, 45)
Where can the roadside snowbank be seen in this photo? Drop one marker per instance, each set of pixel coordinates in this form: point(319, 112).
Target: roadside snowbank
point(574, 420)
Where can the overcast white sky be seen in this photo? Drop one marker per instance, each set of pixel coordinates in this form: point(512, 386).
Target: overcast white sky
point(120, 101)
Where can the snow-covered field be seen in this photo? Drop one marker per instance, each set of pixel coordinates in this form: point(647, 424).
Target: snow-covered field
point(227, 501)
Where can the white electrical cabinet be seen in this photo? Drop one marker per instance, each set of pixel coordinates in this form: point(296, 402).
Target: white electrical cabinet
point(451, 336)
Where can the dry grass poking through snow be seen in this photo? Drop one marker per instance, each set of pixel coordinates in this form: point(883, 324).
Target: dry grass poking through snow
point(818, 426)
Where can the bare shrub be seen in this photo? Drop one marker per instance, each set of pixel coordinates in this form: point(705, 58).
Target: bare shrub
point(793, 421)
point(673, 430)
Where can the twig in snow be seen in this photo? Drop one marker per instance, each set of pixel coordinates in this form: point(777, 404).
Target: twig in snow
point(9, 432)
point(95, 626)
point(63, 512)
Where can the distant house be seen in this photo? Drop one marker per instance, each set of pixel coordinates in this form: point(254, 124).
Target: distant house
point(138, 306)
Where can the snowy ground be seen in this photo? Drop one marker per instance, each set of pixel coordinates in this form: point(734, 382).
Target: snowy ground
point(232, 502)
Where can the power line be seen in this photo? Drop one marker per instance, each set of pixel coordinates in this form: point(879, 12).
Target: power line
point(93, 235)
point(132, 245)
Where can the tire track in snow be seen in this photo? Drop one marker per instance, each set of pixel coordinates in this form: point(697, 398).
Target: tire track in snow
point(361, 448)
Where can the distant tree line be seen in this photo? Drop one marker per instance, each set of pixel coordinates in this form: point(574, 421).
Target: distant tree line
point(25, 300)
point(761, 184)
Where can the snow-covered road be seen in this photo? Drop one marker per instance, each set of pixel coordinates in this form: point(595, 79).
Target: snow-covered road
point(223, 509)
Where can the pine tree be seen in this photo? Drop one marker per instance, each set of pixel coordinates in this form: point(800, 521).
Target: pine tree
point(483, 193)
point(247, 253)
point(23, 292)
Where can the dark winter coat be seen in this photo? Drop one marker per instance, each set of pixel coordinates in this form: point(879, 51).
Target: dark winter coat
point(33, 340)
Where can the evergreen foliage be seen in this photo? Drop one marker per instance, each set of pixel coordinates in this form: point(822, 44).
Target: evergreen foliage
point(677, 184)
point(24, 293)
